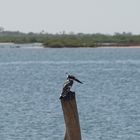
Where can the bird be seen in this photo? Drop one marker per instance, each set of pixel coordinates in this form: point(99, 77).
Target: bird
point(68, 84)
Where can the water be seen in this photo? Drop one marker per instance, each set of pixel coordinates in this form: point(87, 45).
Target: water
point(108, 101)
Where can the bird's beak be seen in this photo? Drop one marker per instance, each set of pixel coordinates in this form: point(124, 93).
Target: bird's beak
point(78, 81)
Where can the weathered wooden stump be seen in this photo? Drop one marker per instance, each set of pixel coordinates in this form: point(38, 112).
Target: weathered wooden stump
point(71, 117)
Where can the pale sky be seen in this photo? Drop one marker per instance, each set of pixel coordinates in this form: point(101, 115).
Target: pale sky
point(86, 16)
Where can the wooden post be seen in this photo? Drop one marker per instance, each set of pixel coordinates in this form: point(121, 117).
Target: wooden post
point(71, 118)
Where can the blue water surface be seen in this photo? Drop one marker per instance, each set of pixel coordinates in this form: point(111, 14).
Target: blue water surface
point(31, 81)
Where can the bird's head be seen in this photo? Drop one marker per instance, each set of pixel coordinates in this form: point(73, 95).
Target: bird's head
point(71, 77)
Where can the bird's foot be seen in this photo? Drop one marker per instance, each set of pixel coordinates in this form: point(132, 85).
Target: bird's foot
point(69, 96)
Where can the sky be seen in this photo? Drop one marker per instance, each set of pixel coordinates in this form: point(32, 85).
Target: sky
point(78, 16)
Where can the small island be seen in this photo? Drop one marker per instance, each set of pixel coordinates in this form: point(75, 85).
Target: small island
point(70, 40)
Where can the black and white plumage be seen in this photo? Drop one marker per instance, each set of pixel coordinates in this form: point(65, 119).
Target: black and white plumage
point(68, 85)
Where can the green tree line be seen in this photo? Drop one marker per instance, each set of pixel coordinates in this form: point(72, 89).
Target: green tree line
point(71, 40)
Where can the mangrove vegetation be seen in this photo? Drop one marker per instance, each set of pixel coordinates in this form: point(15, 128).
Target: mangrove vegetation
point(71, 39)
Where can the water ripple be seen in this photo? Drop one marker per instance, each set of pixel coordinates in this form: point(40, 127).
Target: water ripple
point(72, 62)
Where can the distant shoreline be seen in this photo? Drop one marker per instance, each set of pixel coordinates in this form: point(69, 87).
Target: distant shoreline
point(40, 45)
point(21, 45)
point(63, 40)
point(119, 47)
